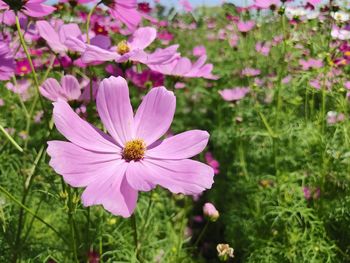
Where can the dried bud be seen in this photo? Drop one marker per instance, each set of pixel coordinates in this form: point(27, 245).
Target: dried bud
point(224, 252)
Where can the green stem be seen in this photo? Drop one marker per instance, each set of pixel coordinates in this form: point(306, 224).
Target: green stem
point(136, 241)
point(26, 51)
point(71, 225)
point(8, 136)
point(88, 20)
point(11, 197)
point(201, 234)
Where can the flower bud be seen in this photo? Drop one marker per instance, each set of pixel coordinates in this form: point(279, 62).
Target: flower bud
point(210, 212)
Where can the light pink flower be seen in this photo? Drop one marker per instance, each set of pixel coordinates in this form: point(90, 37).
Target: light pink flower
point(33, 8)
point(245, 26)
point(69, 89)
point(186, 5)
point(199, 51)
point(234, 94)
point(263, 48)
point(264, 4)
point(125, 11)
point(132, 50)
point(311, 63)
point(114, 167)
point(183, 67)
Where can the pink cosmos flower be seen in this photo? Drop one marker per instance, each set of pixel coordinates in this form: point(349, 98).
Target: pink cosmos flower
point(311, 64)
point(7, 63)
point(33, 8)
point(133, 50)
point(68, 90)
point(264, 4)
point(165, 37)
point(125, 11)
point(199, 51)
point(234, 94)
point(114, 167)
point(250, 72)
point(186, 5)
point(263, 48)
point(21, 88)
point(245, 26)
point(183, 67)
point(68, 37)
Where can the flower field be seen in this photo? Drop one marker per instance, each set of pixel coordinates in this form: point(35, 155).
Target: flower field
point(136, 132)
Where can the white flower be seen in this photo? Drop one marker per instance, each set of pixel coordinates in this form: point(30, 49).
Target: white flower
point(340, 16)
point(295, 12)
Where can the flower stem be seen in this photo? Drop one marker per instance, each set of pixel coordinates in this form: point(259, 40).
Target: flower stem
point(8, 136)
point(201, 234)
point(71, 224)
point(136, 241)
point(88, 20)
point(26, 51)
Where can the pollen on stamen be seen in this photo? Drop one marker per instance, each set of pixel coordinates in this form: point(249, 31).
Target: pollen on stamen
point(134, 150)
point(122, 47)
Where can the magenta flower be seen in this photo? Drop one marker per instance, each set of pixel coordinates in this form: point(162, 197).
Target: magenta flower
point(68, 90)
point(33, 8)
point(234, 94)
point(114, 168)
point(133, 50)
point(147, 78)
point(211, 161)
point(7, 63)
point(23, 67)
point(183, 67)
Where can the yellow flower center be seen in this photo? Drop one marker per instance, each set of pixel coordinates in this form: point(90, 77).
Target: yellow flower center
point(122, 47)
point(134, 150)
point(347, 53)
point(23, 68)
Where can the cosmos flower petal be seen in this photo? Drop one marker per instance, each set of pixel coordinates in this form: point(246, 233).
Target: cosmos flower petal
point(142, 38)
point(113, 192)
point(69, 30)
point(80, 167)
point(97, 54)
point(114, 107)
point(71, 87)
point(180, 176)
point(48, 33)
point(50, 89)
point(181, 146)
point(80, 132)
point(138, 176)
point(36, 9)
point(155, 114)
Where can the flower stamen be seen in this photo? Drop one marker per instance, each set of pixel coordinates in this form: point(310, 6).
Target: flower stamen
point(134, 150)
point(122, 47)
